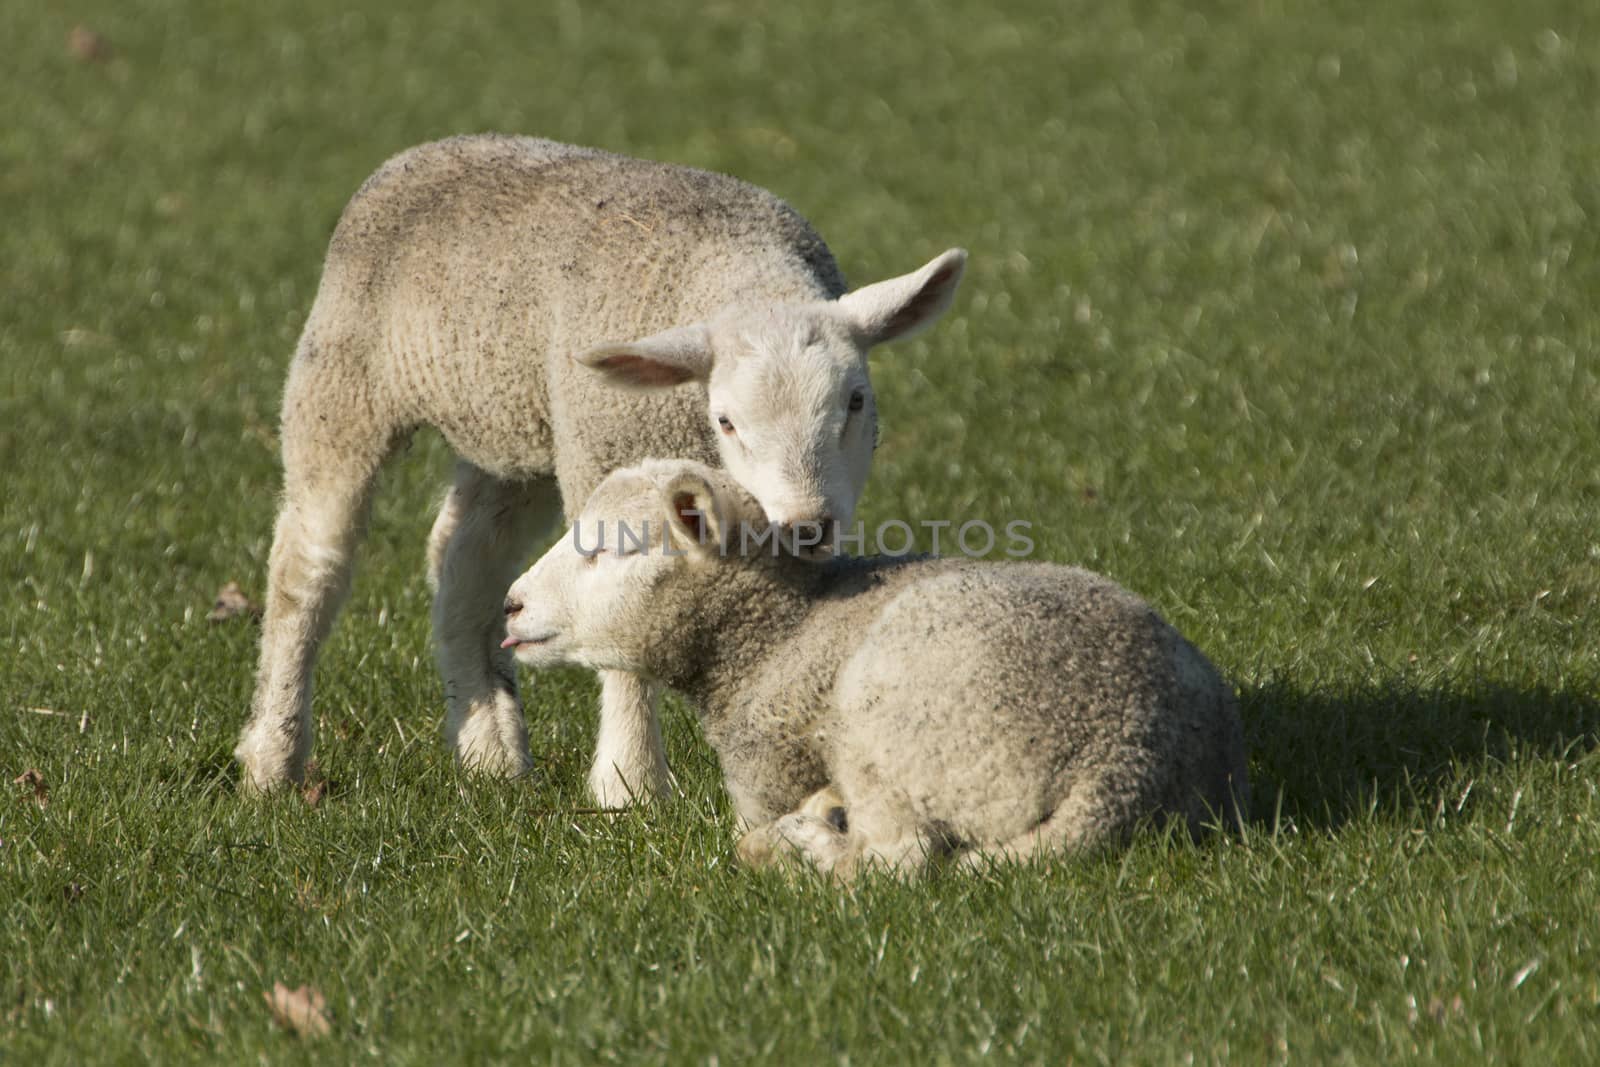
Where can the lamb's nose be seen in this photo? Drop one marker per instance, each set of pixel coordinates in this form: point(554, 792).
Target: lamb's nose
point(513, 606)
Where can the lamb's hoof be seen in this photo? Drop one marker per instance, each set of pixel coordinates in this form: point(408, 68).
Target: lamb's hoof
point(493, 745)
point(496, 762)
point(254, 783)
point(615, 791)
point(757, 848)
point(263, 771)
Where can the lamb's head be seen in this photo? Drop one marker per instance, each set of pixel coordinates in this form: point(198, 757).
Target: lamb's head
point(790, 399)
point(623, 582)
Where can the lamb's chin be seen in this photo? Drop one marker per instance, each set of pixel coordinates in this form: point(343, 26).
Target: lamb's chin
point(541, 654)
point(597, 661)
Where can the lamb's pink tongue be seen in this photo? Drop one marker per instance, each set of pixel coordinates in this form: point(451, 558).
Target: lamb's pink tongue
point(508, 642)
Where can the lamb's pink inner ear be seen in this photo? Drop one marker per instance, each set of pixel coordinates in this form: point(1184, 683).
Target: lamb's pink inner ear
point(637, 370)
point(689, 515)
point(918, 307)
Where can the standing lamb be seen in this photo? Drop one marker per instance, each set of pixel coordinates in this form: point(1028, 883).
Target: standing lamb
point(488, 286)
point(926, 708)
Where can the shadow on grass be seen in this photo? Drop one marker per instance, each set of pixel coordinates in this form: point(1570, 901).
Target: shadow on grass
point(210, 772)
point(1318, 755)
point(1323, 757)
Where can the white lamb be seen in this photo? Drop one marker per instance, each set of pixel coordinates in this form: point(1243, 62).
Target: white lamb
point(489, 287)
point(888, 711)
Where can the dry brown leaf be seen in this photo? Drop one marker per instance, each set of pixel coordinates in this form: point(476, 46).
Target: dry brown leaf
point(1439, 1011)
point(33, 778)
point(303, 1010)
point(317, 785)
point(232, 603)
point(87, 46)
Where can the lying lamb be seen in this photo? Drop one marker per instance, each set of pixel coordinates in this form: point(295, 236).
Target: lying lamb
point(926, 708)
point(488, 287)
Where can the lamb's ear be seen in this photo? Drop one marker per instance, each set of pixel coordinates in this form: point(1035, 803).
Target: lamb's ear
point(696, 513)
point(668, 358)
point(905, 306)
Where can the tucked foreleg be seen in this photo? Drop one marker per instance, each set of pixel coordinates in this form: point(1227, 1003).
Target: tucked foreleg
point(817, 834)
point(844, 841)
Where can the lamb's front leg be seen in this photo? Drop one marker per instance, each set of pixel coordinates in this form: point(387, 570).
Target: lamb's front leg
point(630, 763)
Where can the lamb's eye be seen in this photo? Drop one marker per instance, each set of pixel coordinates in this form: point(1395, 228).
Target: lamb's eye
point(726, 424)
point(858, 400)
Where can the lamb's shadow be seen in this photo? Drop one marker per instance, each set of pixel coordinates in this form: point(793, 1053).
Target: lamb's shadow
point(1321, 756)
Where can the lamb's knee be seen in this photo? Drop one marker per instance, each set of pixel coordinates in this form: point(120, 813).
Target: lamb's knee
point(303, 577)
point(317, 532)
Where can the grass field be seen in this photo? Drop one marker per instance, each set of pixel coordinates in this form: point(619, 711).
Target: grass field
point(1285, 314)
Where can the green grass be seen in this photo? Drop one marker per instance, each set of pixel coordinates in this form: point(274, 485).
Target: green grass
point(1284, 314)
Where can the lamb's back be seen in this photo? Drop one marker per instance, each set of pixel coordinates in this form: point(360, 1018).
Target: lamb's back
point(988, 692)
point(471, 269)
point(623, 246)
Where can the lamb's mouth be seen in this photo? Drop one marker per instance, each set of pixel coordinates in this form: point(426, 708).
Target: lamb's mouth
point(518, 642)
point(807, 549)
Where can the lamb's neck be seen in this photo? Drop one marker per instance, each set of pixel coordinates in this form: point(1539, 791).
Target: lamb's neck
point(799, 273)
point(742, 616)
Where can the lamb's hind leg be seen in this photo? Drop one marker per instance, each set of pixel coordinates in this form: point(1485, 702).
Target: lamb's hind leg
point(331, 462)
point(475, 552)
point(1087, 817)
